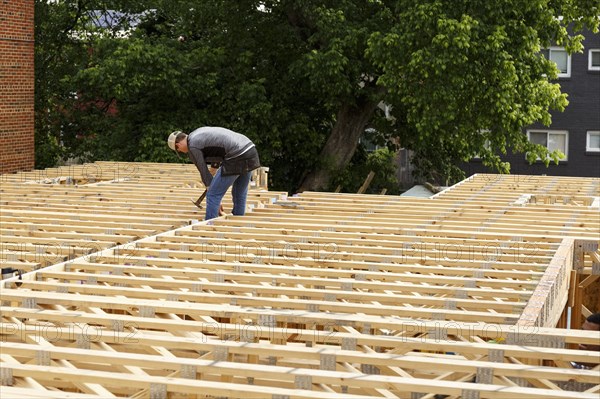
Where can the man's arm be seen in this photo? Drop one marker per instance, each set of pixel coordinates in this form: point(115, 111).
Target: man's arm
point(198, 159)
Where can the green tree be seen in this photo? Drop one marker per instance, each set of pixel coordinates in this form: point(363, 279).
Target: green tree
point(466, 72)
point(57, 55)
point(380, 161)
point(305, 78)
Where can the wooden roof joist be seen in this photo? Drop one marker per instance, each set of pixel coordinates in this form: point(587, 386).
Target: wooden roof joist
point(488, 213)
point(475, 314)
point(239, 292)
point(290, 375)
point(438, 239)
point(292, 311)
point(159, 386)
point(41, 219)
point(364, 225)
point(320, 295)
point(204, 334)
point(412, 260)
point(237, 273)
point(379, 268)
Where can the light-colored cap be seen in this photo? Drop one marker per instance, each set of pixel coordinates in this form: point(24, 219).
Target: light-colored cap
point(172, 138)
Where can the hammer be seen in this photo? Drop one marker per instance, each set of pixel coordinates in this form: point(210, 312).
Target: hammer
point(198, 202)
point(201, 198)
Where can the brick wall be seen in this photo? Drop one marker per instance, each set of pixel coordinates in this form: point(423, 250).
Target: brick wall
point(16, 85)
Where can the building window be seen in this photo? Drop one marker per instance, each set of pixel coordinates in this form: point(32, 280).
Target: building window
point(594, 60)
point(593, 141)
point(487, 145)
point(551, 139)
point(561, 58)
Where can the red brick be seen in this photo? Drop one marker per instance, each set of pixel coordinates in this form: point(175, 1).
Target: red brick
point(16, 85)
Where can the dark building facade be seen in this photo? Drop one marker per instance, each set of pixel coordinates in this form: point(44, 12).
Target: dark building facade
point(576, 131)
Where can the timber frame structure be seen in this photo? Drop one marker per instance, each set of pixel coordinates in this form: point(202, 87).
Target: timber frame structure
point(126, 293)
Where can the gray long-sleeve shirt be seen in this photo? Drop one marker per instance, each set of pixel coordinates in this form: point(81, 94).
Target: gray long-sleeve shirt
point(208, 144)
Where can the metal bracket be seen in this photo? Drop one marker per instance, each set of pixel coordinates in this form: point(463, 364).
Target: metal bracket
point(330, 297)
point(62, 289)
point(43, 358)
point(438, 316)
point(83, 341)
point(196, 288)
point(349, 344)
point(303, 382)
point(328, 362)
point(158, 391)
point(555, 341)
point(238, 268)
point(220, 353)
point(496, 355)
point(147, 311)
point(485, 375)
point(438, 334)
point(450, 304)
point(366, 328)
point(6, 376)
point(471, 284)
point(369, 369)
point(469, 394)
point(188, 371)
point(266, 320)
point(118, 325)
point(461, 294)
point(30, 303)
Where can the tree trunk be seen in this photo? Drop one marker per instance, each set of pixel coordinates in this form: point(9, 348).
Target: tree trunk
point(340, 145)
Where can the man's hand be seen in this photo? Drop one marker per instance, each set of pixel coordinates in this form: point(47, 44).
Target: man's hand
point(221, 210)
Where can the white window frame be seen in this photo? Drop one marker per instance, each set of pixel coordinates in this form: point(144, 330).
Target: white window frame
point(590, 66)
point(588, 148)
point(556, 48)
point(548, 132)
point(486, 144)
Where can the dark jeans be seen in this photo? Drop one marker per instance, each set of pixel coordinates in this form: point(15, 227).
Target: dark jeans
point(219, 186)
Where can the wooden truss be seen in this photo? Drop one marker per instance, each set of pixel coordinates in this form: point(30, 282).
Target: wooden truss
point(320, 295)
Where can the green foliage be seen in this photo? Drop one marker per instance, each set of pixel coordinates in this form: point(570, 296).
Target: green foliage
point(470, 73)
point(456, 74)
point(47, 150)
point(57, 55)
point(380, 161)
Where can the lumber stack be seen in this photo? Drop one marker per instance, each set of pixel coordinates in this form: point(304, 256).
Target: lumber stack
point(319, 295)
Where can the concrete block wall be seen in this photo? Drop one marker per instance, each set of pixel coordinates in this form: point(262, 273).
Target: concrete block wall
point(16, 85)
